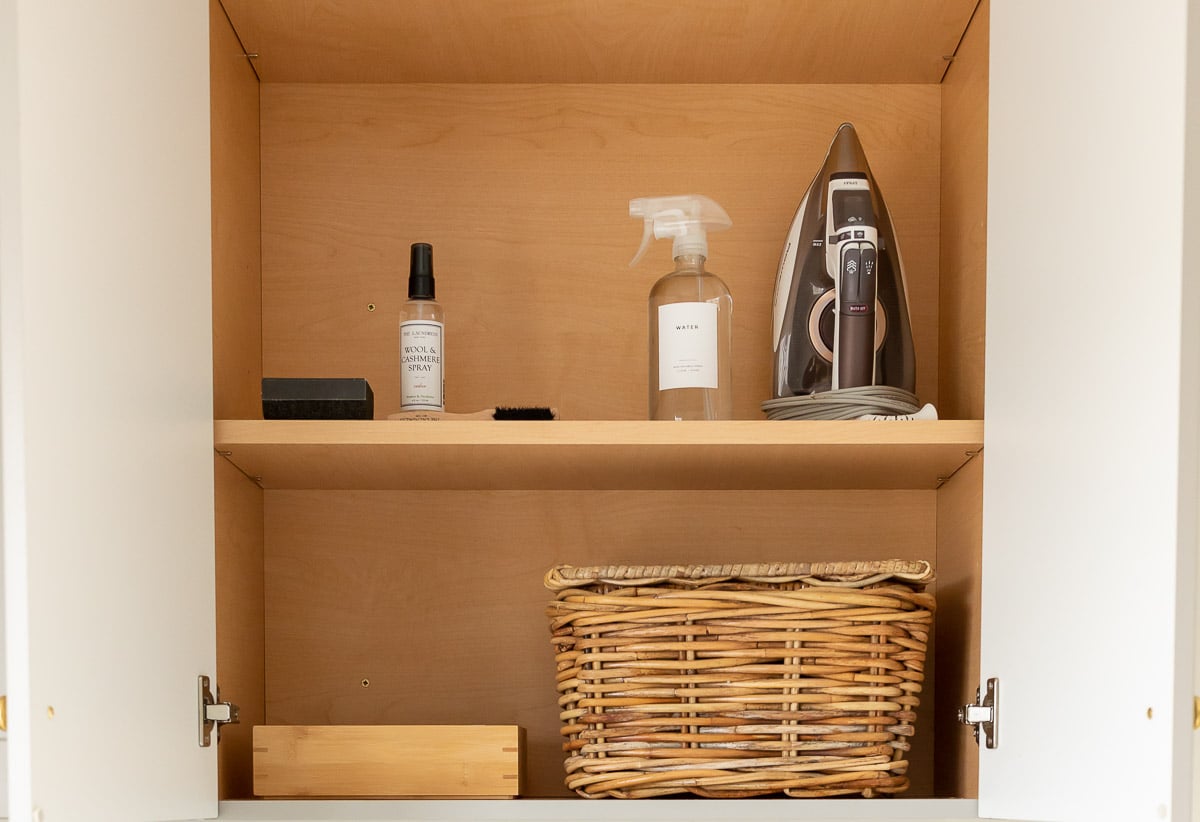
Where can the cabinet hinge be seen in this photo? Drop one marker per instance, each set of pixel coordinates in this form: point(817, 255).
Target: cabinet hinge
point(213, 713)
point(984, 714)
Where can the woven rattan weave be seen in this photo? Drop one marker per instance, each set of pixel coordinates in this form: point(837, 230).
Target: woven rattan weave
point(739, 680)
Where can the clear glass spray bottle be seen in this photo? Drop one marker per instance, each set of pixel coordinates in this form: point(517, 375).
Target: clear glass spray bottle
point(691, 313)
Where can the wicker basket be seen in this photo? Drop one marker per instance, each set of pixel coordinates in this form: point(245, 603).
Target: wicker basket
point(739, 680)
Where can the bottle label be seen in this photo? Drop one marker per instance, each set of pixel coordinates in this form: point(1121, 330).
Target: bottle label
point(687, 345)
point(421, 385)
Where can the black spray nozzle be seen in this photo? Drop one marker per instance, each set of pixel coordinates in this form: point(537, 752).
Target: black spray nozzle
point(420, 272)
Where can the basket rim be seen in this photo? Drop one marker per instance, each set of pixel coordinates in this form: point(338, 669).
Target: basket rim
point(854, 574)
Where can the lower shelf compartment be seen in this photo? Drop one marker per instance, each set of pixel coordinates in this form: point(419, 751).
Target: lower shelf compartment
point(603, 810)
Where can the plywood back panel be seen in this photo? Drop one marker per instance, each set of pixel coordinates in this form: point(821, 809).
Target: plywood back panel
point(236, 232)
point(428, 607)
point(617, 41)
point(964, 224)
point(523, 192)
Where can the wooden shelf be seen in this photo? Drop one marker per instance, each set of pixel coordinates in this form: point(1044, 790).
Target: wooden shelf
point(618, 41)
point(572, 455)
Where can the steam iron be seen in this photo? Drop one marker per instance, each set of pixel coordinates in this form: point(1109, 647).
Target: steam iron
point(840, 325)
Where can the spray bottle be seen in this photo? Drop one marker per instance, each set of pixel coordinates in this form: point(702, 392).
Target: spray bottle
point(422, 323)
point(691, 312)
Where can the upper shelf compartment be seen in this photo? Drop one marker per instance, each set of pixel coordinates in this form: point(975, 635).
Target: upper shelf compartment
point(615, 41)
point(574, 455)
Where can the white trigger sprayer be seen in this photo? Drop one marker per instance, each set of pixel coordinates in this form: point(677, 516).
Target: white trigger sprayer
point(687, 218)
point(691, 330)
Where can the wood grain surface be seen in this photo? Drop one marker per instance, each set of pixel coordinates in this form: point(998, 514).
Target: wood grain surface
point(617, 41)
point(387, 760)
point(956, 628)
point(237, 369)
point(964, 224)
point(524, 193)
point(388, 607)
point(550, 455)
point(241, 632)
point(236, 228)
point(435, 599)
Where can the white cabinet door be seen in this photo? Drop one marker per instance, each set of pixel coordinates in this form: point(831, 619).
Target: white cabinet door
point(1090, 476)
point(106, 415)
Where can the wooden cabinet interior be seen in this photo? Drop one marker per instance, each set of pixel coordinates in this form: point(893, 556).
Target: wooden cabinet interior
point(519, 171)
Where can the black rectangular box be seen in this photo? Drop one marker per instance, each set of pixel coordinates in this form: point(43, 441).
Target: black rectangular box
point(299, 398)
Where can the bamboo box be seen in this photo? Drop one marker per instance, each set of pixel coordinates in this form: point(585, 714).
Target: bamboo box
point(481, 761)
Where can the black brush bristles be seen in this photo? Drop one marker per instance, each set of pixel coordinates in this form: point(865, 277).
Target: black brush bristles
point(525, 413)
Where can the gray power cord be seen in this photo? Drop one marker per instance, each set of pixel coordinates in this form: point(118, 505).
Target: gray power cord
point(843, 404)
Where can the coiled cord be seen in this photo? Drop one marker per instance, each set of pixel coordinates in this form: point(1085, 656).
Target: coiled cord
point(843, 404)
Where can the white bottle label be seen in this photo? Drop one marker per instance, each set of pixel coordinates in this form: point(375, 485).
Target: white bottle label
point(421, 386)
point(687, 345)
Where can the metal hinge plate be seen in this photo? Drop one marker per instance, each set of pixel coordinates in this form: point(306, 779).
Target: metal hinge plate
point(213, 714)
point(984, 714)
